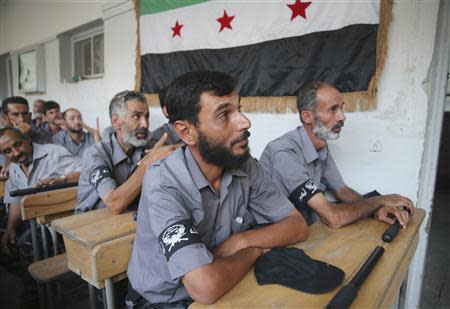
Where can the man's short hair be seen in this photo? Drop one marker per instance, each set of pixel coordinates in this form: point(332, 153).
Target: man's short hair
point(182, 97)
point(307, 96)
point(13, 100)
point(64, 114)
point(48, 105)
point(162, 97)
point(16, 132)
point(118, 102)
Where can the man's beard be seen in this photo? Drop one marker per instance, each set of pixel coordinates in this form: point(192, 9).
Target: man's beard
point(130, 138)
point(75, 130)
point(215, 153)
point(324, 133)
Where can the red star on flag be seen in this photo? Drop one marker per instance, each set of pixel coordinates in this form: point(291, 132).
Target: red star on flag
point(298, 8)
point(225, 21)
point(176, 30)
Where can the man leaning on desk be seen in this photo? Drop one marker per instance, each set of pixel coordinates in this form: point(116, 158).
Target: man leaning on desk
point(194, 239)
point(113, 169)
point(302, 167)
point(32, 165)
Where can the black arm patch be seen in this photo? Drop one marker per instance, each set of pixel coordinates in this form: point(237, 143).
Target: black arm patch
point(177, 236)
point(300, 196)
point(98, 174)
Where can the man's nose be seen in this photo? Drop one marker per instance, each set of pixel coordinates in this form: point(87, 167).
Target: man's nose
point(144, 123)
point(341, 116)
point(243, 122)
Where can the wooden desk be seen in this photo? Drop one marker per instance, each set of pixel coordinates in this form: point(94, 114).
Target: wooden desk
point(346, 248)
point(98, 245)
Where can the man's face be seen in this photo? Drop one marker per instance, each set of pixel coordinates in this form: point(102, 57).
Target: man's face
point(74, 122)
point(37, 106)
point(222, 131)
point(53, 115)
point(17, 114)
point(16, 149)
point(329, 117)
point(135, 123)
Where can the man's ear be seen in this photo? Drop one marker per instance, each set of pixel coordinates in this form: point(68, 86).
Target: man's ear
point(186, 131)
point(116, 121)
point(307, 117)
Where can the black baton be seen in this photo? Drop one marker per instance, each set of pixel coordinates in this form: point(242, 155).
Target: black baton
point(391, 232)
point(28, 191)
point(346, 295)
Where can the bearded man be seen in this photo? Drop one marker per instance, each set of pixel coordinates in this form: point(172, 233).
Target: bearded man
point(113, 169)
point(74, 138)
point(195, 238)
point(302, 167)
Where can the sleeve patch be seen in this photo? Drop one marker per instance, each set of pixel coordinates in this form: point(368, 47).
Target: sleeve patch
point(177, 236)
point(98, 174)
point(300, 196)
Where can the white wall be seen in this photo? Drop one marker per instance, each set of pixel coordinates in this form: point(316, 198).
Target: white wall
point(377, 150)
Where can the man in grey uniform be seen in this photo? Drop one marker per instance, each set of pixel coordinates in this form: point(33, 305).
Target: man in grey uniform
point(32, 165)
point(302, 167)
point(74, 138)
point(172, 136)
point(195, 237)
point(113, 168)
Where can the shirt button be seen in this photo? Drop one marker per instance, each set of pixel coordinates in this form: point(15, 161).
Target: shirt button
point(218, 227)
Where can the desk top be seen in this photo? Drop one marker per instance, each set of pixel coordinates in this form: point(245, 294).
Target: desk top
point(346, 248)
point(96, 227)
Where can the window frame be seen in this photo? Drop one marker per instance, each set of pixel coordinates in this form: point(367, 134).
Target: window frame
point(89, 34)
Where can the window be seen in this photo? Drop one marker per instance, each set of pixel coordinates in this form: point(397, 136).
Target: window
point(81, 52)
point(88, 55)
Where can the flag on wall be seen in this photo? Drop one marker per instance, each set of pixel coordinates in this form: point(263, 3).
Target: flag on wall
point(273, 48)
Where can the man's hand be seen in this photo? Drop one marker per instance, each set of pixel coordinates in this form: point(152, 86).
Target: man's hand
point(49, 181)
point(158, 151)
point(395, 206)
point(230, 246)
point(4, 172)
point(8, 239)
point(95, 134)
point(25, 128)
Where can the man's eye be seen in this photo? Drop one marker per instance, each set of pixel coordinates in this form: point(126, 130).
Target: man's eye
point(223, 115)
point(7, 151)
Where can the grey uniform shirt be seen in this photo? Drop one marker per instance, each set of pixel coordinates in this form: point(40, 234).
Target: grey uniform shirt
point(292, 160)
point(105, 166)
point(48, 161)
point(181, 219)
point(63, 138)
point(172, 136)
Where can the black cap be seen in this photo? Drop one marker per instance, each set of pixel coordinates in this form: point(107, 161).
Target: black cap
point(291, 267)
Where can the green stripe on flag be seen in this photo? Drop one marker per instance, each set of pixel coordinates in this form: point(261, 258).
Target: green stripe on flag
point(156, 6)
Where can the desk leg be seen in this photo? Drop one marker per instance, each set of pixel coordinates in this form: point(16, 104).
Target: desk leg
point(109, 286)
point(34, 240)
point(44, 241)
point(92, 297)
point(54, 240)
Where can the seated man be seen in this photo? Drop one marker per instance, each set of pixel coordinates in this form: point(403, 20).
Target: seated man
point(194, 237)
point(16, 113)
point(172, 136)
point(53, 119)
point(37, 113)
point(302, 167)
point(113, 168)
point(74, 138)
point(32, 165)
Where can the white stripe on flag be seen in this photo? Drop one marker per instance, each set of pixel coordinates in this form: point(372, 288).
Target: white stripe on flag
point(254, 22)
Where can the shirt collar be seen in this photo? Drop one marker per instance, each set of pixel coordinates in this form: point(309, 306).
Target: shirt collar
point(200, 179)
point(118, 155)
point(310, 153)
point(38, 151)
